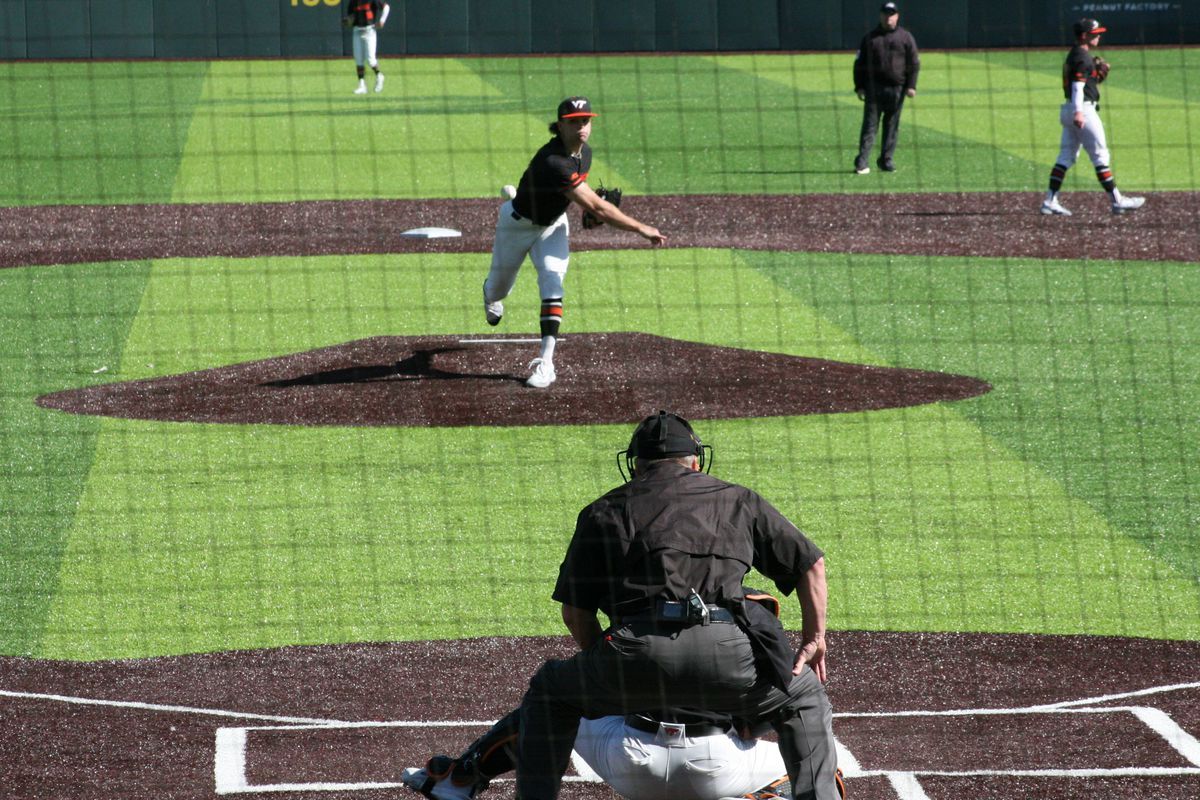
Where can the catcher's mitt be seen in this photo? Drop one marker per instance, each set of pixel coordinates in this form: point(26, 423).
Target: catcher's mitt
point(1100, 68)
point(613, 196)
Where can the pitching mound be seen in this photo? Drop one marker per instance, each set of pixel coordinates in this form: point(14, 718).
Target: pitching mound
point(478, 380)
point(919, 717)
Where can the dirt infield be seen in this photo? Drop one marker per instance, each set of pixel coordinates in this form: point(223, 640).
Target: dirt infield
point(935, 716)
point(477, 380)
point(1003, 224)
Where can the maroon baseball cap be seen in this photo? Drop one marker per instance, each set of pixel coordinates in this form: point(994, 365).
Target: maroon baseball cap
point(1088, 26)
point(575, 107)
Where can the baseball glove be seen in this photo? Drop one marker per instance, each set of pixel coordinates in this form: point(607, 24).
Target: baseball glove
point(1100, 67)
point(613, 196)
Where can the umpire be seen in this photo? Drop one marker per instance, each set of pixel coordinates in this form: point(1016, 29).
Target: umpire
point(885, 72)
point(663, 556)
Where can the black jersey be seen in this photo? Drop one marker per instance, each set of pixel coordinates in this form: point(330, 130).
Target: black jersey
point(365, 12)
point(671, 530)
point(551, 172)
point(1081, 66)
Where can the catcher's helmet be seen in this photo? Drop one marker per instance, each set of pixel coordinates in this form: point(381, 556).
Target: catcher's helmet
point(663, 435)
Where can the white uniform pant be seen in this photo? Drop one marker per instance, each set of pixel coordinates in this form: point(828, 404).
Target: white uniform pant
point(364, 46)
point(642, 765)
point(1090, 137)
point(548, 247)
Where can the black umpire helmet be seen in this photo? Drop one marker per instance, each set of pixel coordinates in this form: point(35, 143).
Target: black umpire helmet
point(663, 435)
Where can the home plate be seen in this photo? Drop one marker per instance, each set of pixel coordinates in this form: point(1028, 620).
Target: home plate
point(431, 233)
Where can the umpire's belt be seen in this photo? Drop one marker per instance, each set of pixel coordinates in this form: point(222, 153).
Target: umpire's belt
point(692, 730)
point(679, 613)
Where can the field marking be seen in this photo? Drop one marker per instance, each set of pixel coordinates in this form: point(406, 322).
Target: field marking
point(499, 341)
point(1171, 687)
point(229, 763)
point(907, 786)
point(211, 712)
point(1161, 723)
point(1063, 705)
point(1082, 772)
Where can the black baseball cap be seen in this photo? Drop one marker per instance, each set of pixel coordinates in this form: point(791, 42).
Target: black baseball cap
point(1088, 26)
point(889, 8)
point(575, 107)
point(664, 435)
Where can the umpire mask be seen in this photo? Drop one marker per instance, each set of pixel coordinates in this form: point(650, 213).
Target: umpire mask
point(659, 436)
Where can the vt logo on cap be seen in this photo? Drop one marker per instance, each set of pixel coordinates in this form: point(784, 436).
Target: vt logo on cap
point(575, 107)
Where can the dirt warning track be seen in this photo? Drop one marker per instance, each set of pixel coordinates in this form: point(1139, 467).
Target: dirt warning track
point(917, 716)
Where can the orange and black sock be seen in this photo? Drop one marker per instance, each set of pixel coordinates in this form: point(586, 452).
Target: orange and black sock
point(552, 311)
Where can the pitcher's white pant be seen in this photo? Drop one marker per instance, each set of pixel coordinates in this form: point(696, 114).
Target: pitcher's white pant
point(364, 46)
point(639, 764)
point(1090, 137)
point(548, 248)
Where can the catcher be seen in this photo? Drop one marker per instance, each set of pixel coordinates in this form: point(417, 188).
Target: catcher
point(638, 757)
point(534, 223)
point(1083, 72)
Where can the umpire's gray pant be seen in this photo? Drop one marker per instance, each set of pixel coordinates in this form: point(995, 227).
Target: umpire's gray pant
point(646, 666)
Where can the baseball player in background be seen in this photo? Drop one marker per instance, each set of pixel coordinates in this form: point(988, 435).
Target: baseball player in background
point(639, 757)
point(885, 73)
point(1081, 125)
point(365, 17)
point(534, 223)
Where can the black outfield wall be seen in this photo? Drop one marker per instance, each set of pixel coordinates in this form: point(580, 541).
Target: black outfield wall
point(39, 29)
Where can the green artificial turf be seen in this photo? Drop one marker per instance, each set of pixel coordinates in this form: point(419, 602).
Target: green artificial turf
point(276, 130)
point(1027, 509)
point(1063, 501)
point(94, 132)
point(59, 327)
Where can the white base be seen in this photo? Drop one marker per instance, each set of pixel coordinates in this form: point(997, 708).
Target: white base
point(432, 233)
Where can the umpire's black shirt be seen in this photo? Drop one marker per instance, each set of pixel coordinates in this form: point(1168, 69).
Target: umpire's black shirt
point(886, 58)
point(672, 529)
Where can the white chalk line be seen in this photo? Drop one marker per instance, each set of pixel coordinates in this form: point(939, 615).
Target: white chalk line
point(211, 712)
point(1047, 707)
point(1173, 687)
point(1044, 708)
point(299, 723)
point(229, 763)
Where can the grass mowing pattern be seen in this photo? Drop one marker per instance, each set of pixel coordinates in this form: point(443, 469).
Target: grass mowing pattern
point(59, 327)
point(1060, 502)
point(198, 537)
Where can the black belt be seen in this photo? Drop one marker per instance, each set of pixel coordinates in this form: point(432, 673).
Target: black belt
point(677, 612)
point(518, 218)
point(692, 730)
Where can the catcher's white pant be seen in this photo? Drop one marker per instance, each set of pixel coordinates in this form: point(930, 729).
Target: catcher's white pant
point(647, 766)
point(364, 46)
point(547, 247)
point(1090, 137)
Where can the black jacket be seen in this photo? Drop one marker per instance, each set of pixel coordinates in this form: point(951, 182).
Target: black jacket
point(886, 58)
point(670, 530)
